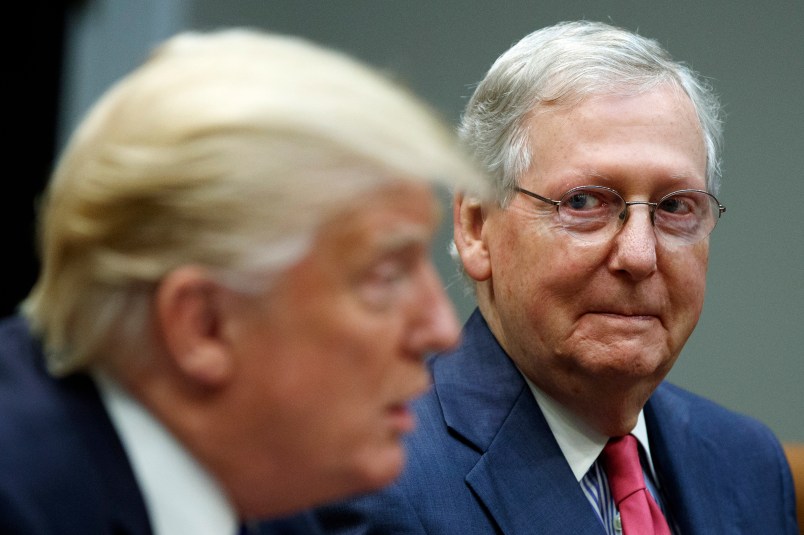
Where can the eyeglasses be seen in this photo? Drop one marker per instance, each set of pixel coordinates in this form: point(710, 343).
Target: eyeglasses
point(596, 213)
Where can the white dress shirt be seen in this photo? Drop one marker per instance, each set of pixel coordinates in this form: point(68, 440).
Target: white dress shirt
point(580, 444)
point(180, 495)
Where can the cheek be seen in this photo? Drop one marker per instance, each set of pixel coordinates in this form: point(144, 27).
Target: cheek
point(332, 388)
point(537, 295)
point(357, 356)
point(561, 272)
point(687, 285)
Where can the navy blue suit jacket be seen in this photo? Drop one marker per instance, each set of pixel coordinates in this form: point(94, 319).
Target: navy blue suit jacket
point(63, 469)
point(483, 461)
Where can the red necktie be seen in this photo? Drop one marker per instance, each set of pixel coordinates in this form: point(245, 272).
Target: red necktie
point(638, 511)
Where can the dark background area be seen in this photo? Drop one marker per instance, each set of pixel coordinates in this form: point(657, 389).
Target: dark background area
point(35, 80)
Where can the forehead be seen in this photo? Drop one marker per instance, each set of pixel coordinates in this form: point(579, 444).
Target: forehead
point(652, 134)
point(385, 218)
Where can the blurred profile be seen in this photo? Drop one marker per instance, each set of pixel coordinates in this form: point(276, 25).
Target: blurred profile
point(236, 294)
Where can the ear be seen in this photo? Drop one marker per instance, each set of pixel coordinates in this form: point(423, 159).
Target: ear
point(189, 317)
point(468, 219)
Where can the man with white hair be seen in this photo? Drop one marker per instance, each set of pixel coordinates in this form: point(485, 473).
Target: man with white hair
point(236, 295)
point(589, 268)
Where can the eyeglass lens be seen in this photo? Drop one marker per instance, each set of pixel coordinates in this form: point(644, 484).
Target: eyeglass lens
point(595, 212)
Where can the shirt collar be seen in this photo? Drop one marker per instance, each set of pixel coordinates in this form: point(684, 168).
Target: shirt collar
point(580, 444)
point(179, 493)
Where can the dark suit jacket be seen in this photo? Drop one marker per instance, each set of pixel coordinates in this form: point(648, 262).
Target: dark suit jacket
point(483, 461)
point(63, 469)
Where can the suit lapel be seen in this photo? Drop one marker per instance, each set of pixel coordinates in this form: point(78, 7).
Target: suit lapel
point(688, 465)
point(521, 476)
point(119, 501)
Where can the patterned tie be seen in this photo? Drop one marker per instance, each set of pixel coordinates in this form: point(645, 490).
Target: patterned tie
point(638, 511)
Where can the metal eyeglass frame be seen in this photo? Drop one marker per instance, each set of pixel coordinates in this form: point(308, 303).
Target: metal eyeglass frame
point(624, 215)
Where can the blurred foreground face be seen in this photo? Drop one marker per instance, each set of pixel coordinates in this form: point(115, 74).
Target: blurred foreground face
point(333, 353)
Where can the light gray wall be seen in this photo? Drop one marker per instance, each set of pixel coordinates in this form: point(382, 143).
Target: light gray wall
point(748, 350)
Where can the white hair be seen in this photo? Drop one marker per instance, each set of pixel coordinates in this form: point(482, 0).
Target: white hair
point(562, 65)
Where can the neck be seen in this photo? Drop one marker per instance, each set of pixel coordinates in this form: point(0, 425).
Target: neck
point(609, 407)
point(608, 402)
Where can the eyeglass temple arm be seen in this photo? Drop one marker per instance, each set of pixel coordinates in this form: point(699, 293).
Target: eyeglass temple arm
point(537, 196)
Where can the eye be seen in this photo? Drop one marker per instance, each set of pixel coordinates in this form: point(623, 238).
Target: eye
point(684, 204)
point(387, 272)
point(674, 205)
point(589, 209)
point(687, 216)
point(383, 283)
point(581, 200)
point(590, 200)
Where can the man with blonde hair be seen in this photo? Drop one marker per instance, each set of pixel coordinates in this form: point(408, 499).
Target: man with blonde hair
point(236, 295)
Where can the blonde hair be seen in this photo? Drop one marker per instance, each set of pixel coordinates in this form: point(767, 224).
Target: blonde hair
point(225, 150)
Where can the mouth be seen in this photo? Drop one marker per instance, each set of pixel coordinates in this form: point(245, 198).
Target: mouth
point(626, 310)
point(630, 320)
point(401, 418)
point(627, 315)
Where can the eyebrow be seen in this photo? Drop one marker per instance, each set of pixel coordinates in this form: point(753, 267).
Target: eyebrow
point(403, 236)
point(606, 178)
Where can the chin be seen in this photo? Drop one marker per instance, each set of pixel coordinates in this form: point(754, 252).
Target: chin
point(380, 468)
point(371, 470)
point(628, 359)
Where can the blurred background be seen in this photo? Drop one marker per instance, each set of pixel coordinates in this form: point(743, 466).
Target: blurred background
point(748, 350)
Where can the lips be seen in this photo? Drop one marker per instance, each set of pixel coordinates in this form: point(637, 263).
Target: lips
point(627, 314)
point(630, 322)
point(628, 311)
point(402, 420)
point(632, 317)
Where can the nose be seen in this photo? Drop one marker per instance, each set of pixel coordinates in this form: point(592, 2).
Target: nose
point(634, 251)
point(434, 326)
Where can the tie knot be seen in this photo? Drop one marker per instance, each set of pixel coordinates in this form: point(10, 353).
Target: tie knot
point(622, 466)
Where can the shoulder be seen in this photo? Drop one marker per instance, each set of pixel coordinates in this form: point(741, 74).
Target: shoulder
point(33, 437)
point(26, 391)
point(730, 438)
point(672, 405)
point(694, 438)
point(59, 455)
point(735, 436)
point(18, 347)
point(28, 394)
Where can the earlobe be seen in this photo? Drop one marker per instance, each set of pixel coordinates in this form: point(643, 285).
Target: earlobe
point(468, 220)
point(189, 319)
